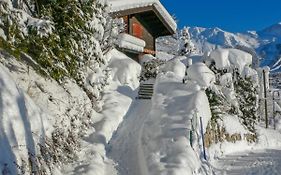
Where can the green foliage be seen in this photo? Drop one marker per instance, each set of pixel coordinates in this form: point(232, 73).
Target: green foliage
point(216, 102)
point(73, 43)
point(150, 69)
point(247, 98)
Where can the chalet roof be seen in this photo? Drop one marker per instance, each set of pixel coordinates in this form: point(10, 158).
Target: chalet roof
point(126, 7)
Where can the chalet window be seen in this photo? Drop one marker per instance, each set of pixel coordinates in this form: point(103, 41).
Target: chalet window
point(137, 30)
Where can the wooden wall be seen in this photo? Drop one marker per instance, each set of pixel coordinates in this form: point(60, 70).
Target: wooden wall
point(134, 27)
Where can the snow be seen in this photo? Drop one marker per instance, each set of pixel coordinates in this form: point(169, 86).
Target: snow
point(124, 70)
point(240, 59)
point(277, 65)
point(130, 42)
point(130, 46)
point(163, 55)
point(116, 102)
point(120, 5)
point(131, 39)
point(258, 162)
point(201, 74)
point(231, 58)
point(146, 58)
point(59, 103)
point(24, 21)
point(233, 126)
point(263, 73)
point(165, 139)
point(2, 34)
point(175, 66)
point(262, 157)
point(23, 125)
point(93, 159)
point(124, 147)
point(277, 107)
point(43, 27)
point(220, 56)
point(264, 43)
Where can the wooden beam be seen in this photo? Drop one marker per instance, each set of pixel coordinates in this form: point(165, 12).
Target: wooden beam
point(163, 20)
point(131, 11)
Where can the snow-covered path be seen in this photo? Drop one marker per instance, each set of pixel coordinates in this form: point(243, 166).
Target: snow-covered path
point(124, 146)
point(258, 162)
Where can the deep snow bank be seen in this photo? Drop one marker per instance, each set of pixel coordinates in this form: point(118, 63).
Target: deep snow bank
point(23, 127)
point(165, 141)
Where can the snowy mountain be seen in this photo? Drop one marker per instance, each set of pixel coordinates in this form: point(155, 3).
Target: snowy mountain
point(266, 42)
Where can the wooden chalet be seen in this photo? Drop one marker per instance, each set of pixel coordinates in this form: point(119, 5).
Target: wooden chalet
point(145, 20)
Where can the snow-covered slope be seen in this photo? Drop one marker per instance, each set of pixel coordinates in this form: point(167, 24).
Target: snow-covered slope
point(266, 42)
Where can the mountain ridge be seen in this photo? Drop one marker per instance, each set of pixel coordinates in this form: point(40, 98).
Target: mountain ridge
point(266, 42)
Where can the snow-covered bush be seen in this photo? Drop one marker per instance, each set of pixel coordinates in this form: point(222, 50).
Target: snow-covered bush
point(186, 45)
point(234, 94)
point(246, 94)
point(67, 40)
point(150, 69)
point(175, 66)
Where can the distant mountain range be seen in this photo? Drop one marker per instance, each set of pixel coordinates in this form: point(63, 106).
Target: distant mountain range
point(267, 42)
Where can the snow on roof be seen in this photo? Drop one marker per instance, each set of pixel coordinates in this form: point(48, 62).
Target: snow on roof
point(120, 5)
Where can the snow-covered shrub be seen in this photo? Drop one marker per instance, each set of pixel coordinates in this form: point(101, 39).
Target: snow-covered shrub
point(234, 94)
point(246, 94)
point(186, 45)
point(150, 69)
point(217, 104)
point(176, 66)
point(67, 40)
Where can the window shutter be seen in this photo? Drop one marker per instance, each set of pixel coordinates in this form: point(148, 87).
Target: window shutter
point(137, 30)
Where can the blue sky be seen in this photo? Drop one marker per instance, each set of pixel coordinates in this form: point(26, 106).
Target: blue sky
point(230, 15)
